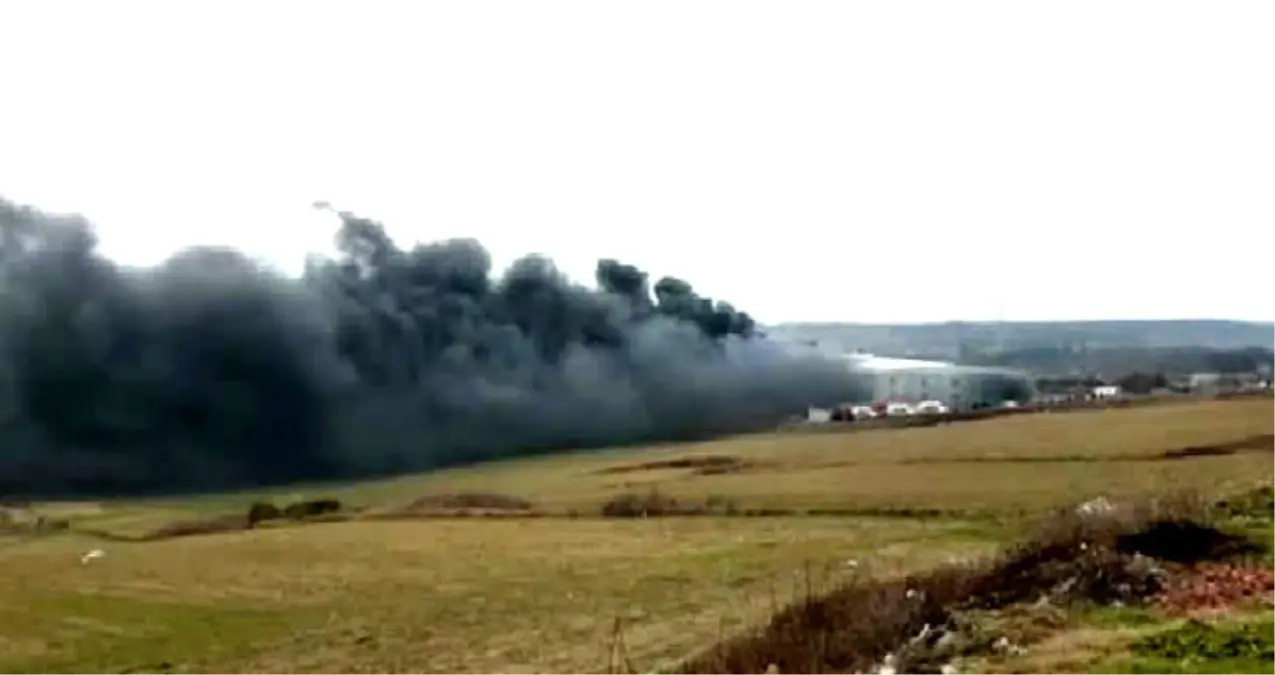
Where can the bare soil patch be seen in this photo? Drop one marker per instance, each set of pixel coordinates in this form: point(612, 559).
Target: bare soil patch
point(459, 504)
point(704, 465)
point(187, 528)
point(1258, 443)
point(1216, 586)
point(1255, 443)
point(474, 500)
point(1184, 541)
point(257, 514)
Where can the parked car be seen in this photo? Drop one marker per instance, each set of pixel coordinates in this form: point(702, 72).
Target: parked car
point(931, 408)
point(863, 412)
point(898, 409)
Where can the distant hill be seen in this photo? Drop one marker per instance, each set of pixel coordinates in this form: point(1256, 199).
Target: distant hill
point(976, 341)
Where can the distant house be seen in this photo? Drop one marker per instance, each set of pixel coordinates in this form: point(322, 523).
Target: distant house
point(1204, 381)
point(1105, 391)
point(956, 387)
point(818, 415)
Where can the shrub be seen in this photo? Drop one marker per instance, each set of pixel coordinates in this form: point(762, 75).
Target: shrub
point(473, 500)
point(262, 511)
point(313, 507)
point(652, 504)
point(1084, 554)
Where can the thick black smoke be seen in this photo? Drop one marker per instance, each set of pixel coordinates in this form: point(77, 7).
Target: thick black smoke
point(210, 370)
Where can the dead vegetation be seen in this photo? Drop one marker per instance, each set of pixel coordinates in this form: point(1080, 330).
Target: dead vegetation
point(188, 528)
point(704, 465)
point(457, 505)
point(1256, 443)
point(311, 508)
point(260, 512)
point(474, 500)
point(257, 514)
point(463, 504)
point(655, 504)
point(1096, 553)
point(1216, 586)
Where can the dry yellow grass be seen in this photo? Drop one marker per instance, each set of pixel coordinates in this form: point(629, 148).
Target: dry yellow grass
point(435, 596)
point(977, 466)
point(474, 595)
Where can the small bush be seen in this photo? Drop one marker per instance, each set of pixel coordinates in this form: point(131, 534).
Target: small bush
point(848, 630)
point(310, 508)
point(262, 511)
point(768, 512)
point(1075, 555)
point(653, 504)
point(460, 504)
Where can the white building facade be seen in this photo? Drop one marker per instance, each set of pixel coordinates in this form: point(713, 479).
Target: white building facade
point(959, 387)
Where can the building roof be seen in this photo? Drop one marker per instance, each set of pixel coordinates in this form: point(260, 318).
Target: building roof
point(883, 364)
point(873, 362)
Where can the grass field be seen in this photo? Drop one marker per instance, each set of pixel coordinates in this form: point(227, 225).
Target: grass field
point(1024, 463)
point(545, 594)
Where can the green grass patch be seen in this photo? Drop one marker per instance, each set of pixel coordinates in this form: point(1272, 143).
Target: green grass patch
point(1200, 647)
point(88, 631)
point(1201, 640)
point(1113, 617)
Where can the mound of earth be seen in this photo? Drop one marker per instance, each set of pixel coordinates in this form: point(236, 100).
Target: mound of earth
point(1185, 541)
point(187, 528)
point(1257, 443)
point(464, 503)
point(700, 464)
point(257, 513)
point(922, 623)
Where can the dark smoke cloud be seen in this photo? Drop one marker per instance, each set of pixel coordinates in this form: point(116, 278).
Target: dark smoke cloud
point(211, 370)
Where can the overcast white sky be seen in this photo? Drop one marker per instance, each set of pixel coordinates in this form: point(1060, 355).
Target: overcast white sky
point(888, 160)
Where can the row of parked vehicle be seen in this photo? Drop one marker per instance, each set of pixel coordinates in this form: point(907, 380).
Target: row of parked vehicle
point(854, 413)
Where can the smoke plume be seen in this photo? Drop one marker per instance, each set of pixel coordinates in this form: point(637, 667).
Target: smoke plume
point(210, 370)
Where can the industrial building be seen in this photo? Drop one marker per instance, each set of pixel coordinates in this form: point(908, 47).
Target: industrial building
point(959, 387)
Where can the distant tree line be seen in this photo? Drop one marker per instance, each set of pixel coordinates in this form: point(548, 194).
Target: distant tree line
point(1116, 362)
point(1134, 383)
